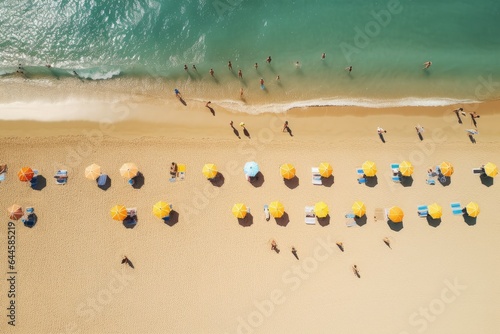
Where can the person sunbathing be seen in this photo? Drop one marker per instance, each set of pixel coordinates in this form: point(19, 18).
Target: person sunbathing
point(173, 169)
point(356, 271)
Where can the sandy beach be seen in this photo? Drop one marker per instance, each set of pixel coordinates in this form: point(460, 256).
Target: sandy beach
point(206, 273)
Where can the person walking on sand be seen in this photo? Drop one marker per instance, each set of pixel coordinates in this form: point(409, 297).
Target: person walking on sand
point(285, 126)
point(274, 246)
point(177, 94)
point(348, 69)
point(229, 65)
point(294, 252)
point(427, 64)
point(241, 93)
point(356, 271)
point(381, 131)
point(242, 124)
point(240, 74)
point(173, 170)
point(473, 116)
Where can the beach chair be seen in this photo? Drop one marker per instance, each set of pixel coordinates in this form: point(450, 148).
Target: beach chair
point(362, 180)
point(167, 218)
point(61, 176)
point(396, 178)
point(316, 176)
point(395, 168)
point(350, 222)
point(379, 214)
point(30, 219)
point(131, 212)
point(266, 212)
point(360, 171)
point(101, 180)
point(34, 180)
point(131, 181)
point(456, 208)
point(423, 211)
point(310, 216)
point(430, 182)
point(478, 171)
point(181, 171)
point(386, 215)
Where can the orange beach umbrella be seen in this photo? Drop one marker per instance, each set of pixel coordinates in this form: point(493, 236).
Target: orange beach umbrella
point(15, 212)
point(92, 172)
point(119, 212)
point(369, 168)
point(287, 171)
point(491, 169)
point(25, 174)
point(435, 211)
point(446, 168)
point(325, 169)
point(129, 170)
point(276, 209)
point(239, 210)
point(396, 214)
point(209, 170)
point(472, 209)
point(359, 208)
point(406, 168)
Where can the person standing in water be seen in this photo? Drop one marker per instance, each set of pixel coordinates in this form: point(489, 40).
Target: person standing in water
point(427, 64)
point(262, 84)
point(240, 74)
point(269, 60)
point(211, 72)
point(348, 69)
point(229, 65)
point(323, 56)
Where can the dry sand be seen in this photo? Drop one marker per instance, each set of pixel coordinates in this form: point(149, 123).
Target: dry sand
point(207, 273)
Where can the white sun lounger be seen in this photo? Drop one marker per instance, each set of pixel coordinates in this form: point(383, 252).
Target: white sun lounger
point(316, 176)
point(310, 218)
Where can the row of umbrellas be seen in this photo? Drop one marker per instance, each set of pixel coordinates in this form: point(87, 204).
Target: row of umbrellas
point(160, 210)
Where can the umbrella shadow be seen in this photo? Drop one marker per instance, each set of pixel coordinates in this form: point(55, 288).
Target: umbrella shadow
point(445, 180)
point(325, 221)
point(41, 183)
point(471, 221)
point(257, 180)
point(292, 183)
point(283, 220)
point(360, 221)
point(434, 222)
point(327, 181)
point(395, 226)
point(406, 181)
point(486, 180)
point(172, 219)
point(32, 219)
point(247, 221)
point(218, 180)
point(130, 222)
point(106, 185)
point(371, 181)
point(138, 181)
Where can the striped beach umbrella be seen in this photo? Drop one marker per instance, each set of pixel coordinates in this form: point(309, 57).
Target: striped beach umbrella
point(276, 209)
point(239, 210)
point(15, 212)
point(119, 212)
point(287, 171)
point(491, 169)
point(321, 210)
point(129, 170)
point(446, 168)
point(92, 172)
point(25, 174)
point(209, 170)
point(369, 168)
point(359, 208)
point(406, 168)
point(435, 211)
point(251, 168)
point(472, 209)
point(325, 169)
point(396, 214)
point(161, 209)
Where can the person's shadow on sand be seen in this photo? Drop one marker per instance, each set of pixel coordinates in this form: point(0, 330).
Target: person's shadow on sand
point(289, 131)
point(211, 110)
point(381, 137)
point(246, 133)
point(236, 132)
point(182, 101)
point(472, 139)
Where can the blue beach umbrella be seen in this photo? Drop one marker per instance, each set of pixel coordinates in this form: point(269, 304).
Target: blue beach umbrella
point(251, 168)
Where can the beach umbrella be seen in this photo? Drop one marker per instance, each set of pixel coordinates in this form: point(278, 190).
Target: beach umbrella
point(119, 212)
point(15, 212)
point(287, 171)
point(446, 168)
point(359, 208)
point(92, 172)
point(239, 210)
point(276, 209)
point(369, 168)
point(209, 170)
point(25, 174)
point(472, 209)
point(406, 168)
point(325, 169)
point(321, 210)
point(129, 170)
point(251, 168)
point(161, 209)
point(396, 214)
point(491, 169)
point(435, 211)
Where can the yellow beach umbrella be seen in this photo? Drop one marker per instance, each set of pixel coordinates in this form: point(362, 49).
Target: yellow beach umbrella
point(287, 171)
point(276, 209)
point(209, 170)
point(472, 209)
point(406, 168)
point(239, 210)
point(161, 209)
point(129, 170)
point(321, 210)
point(446, 168)
point(435, 211)
point(325, 169)
point(118, 212)
point(369, 168)
point(92, 172)
point(15, 212)
point(359, 208)
point(491, 169)
point(396, 214)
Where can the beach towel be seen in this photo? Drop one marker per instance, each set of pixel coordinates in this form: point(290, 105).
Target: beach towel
point(2, 177)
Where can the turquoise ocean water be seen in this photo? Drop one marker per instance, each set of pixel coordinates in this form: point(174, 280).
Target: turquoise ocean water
point(386, 42)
